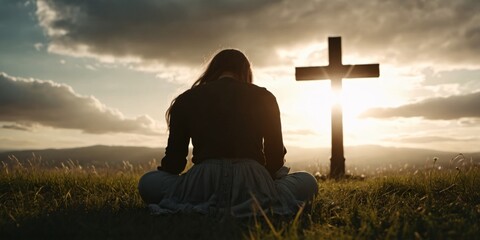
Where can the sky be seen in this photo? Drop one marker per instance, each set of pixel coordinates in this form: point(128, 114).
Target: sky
point(80, 73)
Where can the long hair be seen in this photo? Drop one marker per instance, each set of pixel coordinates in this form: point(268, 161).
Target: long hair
point(231, 61)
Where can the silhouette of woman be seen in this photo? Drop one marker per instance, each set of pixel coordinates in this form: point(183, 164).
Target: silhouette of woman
point(238, 150)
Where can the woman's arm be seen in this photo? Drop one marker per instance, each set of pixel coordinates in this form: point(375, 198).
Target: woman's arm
point(273, 140)
point(176, 152)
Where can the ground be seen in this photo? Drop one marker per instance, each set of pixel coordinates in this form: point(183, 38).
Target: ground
point(88, 202)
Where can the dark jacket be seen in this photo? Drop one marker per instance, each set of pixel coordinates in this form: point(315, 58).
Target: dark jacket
point(225, 118)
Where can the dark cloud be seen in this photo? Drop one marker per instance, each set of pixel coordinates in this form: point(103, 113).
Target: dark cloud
point(18, 126)
point(445, 108)
point(27, 102)
point(186, 31)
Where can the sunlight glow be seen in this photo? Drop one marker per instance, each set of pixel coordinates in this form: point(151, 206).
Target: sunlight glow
point(314, 53)
point(306, 105)
point(336, 98)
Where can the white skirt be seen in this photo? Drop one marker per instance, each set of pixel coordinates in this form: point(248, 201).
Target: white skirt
point(238, 187)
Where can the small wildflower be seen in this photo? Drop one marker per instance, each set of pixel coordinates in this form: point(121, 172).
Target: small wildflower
point(320, 176)
point(435, 159)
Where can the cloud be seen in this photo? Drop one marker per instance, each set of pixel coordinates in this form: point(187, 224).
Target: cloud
point(18, 126)
point(453, 76)
point(443, 108)
point(467, 80)
point(301, 132)
point(184, 32)
point(432, 139)
point(27, 102)
point(38, 46)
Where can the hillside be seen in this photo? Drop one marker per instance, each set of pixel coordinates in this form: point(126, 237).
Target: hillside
point(98, 155)
point(71, 204)
point(371, 157)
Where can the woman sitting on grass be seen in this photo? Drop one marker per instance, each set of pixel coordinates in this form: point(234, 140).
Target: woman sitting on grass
point(238, 150)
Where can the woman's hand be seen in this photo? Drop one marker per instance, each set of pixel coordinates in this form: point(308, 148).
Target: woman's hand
point(282, 172)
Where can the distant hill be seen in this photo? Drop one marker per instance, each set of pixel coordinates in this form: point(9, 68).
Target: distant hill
point(372, 157)
point(98, 155)
point(362, 157)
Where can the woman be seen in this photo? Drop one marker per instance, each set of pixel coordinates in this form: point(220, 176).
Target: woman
point(238, 150)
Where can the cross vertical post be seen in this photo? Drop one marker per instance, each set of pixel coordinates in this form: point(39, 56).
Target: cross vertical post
point(337, 159)
point(336, 71)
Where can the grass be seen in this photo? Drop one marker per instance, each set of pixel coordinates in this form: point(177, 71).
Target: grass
point(79, 202)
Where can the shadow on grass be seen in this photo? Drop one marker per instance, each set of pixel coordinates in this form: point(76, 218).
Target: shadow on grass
point(121, 224)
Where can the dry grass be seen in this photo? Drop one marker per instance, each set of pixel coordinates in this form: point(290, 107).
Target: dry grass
point(40, 200)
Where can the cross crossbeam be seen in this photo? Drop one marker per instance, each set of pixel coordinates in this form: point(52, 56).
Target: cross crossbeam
point(344, 71)
point(336, 71)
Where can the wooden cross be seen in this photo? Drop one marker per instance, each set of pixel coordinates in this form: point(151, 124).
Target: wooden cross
point(336, 71)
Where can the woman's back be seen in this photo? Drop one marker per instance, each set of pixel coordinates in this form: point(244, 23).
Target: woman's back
point(227, 118)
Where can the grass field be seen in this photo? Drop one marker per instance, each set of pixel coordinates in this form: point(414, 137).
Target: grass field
point(75, 202)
